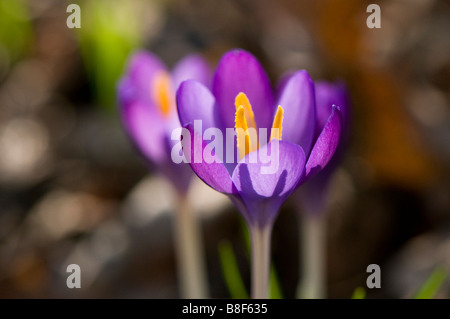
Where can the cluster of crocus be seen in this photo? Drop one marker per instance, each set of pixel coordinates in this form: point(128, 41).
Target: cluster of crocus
point(146, 96)
point(305, 124)
point(242, 97)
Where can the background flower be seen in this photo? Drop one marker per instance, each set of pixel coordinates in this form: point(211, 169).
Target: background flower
point(313, 196)
point(147, 105)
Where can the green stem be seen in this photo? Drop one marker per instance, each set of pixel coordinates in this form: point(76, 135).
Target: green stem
point(190, 257)
point(312, 251)
point(260, 261)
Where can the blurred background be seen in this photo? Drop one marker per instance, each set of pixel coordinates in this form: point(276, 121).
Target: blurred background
point(73, 189)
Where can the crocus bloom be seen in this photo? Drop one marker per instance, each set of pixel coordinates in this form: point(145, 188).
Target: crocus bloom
point(312, 197)
point(146, 95)
point(242, 98)
point(327, 94)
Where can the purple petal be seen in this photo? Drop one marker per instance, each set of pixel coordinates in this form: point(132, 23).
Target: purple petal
point(298, 101)
point(143, 124)
point(281, 83)
point(325, 145)
point(328, 94)
point(239, 71)
point(263, 194)
point(213, 172)
point(196, 102)
point(194, 67)
point(142, 67)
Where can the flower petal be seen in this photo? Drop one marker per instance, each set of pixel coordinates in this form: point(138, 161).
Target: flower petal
point(142, 67)
point(298, 101)
point(196, 102)
point(239, 71)
point(281, 83)
point(194, 67)
point(327, 94)
point(264, 193)
point(212, 171)
point(325, 145)
point(143, 124)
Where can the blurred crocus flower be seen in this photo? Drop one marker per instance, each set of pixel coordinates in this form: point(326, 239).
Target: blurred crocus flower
point(146, 95)
point(242, 98)
point(316, 190)
point(283, 126)
point(312, 197)
point(148, 110)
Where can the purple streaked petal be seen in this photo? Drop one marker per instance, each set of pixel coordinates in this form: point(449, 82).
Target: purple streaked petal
point(196, 102)
point(194, 67)
point(142, 123)
point(326, 144)
point(239, 71)
point(327, 94)
point(142, 67)
point(263, 194)
point(213, 172)
point(346, 111)
point(313, 195)
point(298, 101)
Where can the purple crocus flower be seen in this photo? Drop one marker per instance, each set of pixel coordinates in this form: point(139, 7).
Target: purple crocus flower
point(312, 196)
point(146, 95)
point(314, 193)
point(242, 98)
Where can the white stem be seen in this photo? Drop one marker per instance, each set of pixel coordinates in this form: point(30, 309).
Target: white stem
point(190, 256)
point(260, 261)
point(312, 251)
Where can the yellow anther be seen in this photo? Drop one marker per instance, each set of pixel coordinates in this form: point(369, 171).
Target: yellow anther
point(162, 92)
point(245, 125)
point(243, 138)
point(277, 124)
point(242, 100)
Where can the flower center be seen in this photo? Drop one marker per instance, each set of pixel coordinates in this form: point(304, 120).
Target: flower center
point(246, 129)
point(162, 92)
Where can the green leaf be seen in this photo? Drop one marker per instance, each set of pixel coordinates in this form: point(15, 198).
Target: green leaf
point(230, 271)
point(275, 287)
point(430, 288)
point(16, 31)
point(359, 293)
point(108, 35)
